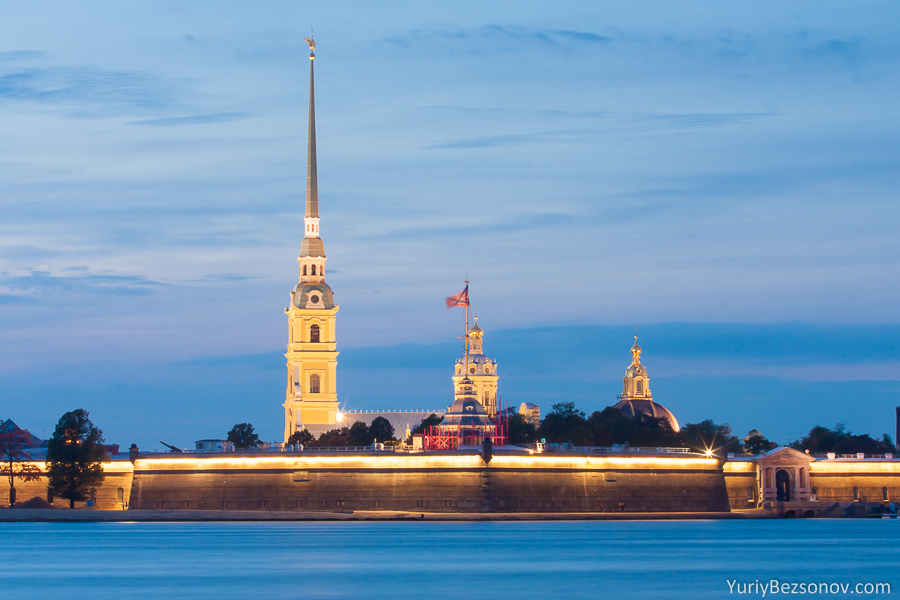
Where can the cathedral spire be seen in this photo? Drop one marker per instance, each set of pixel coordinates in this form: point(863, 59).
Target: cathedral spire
point(312, 187)
point(312, 250)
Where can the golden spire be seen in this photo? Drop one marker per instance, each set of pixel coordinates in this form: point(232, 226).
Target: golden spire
point(312, 187)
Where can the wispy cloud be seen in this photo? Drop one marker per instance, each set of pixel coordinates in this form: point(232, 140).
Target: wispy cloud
point(87, 88)
point(222, 117)
point(11, 55)
point(44, 287)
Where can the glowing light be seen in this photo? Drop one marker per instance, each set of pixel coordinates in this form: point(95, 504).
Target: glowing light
point(339, 417)
point(709, 453)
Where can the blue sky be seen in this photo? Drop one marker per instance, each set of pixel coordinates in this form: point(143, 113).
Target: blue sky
point(721, 175)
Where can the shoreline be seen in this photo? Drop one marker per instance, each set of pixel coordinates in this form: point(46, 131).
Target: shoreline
point(65, 515)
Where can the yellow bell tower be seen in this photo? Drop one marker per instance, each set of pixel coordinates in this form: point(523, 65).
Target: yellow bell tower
point(311, 397)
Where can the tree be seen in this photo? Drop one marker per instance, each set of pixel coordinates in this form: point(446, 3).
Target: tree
point(520, 430)
point(15, 458)
point(75, 457)
point(610, 426)
point(243, 436)
point(301, 436)
point(564, 424)
point(756, 443)
point(335, 437)
point(381, 430)
point(359, 434)
point(706, 436)
point(429, 421)
point(841, 441)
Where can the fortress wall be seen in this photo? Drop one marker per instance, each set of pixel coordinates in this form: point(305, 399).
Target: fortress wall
point(118, 475)
point(433, 482)
point(739, 476)
point(834, 480)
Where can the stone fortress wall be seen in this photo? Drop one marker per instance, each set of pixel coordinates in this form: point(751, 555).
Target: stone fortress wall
point(460, 481)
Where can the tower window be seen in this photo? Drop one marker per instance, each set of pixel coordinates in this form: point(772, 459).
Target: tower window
point(304, 269)
point(640, 387)
point(313, 384)
point(314, 269)
point(314, 333)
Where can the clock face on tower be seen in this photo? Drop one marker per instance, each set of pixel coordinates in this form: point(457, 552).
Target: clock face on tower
point(314, 299)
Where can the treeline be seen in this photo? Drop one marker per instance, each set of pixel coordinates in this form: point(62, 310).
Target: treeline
point(564, 423)
point(608, 427)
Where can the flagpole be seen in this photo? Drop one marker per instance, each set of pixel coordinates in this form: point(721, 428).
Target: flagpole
point(466, 373)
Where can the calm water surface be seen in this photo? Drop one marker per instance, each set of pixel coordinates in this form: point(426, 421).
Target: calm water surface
point(565, 560)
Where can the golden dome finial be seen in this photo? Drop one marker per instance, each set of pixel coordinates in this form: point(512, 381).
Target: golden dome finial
point(476, 331)
point(636, 352)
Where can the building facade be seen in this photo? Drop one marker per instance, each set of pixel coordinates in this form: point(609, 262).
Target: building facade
point(480, 370)
point(311, 396)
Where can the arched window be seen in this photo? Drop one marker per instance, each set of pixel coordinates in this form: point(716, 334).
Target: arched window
point(802, 477)
point(640, 387)
point(884, 494)
point(855, 493)
point(314, 333)
point(313, 269)
point(120, 495)
point(304, 269)
point(749, 492)
point(313, 384)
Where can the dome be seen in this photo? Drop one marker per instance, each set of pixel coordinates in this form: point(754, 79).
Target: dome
point(313, 295)
point(466, 411)
point(476, 331)
point(630, 408)
point(476, 359)
point(312, 247)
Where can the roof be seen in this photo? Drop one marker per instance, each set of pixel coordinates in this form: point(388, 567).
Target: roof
point(633, 407)
point(303, 292)
point(312, 246)
point(28, 440)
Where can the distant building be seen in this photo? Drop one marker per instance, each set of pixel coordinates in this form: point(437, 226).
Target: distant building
point(210, 445)
point(480, 370)
point(403, 421)
point(23, 435)
point(531, 413)
point(636, 397)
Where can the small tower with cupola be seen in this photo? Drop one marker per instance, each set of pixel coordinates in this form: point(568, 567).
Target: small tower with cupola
point(480, 370)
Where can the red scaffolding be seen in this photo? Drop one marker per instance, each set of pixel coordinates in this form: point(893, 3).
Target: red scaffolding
point(451, 437)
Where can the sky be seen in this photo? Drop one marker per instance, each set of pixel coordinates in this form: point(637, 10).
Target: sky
point(722, 176)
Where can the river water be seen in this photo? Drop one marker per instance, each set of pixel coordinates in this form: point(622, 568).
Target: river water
point(406, 560)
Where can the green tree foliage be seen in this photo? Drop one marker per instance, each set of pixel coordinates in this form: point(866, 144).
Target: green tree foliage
point(706, 435)
point(756, 443)
point(301, 436)
point(15, 459)
point(243, 436)
point(74, 457)
point(610, 427)
point(564, 423)
point(429, 421)
point(359, 435)
point(520, 430)
point(382, 430)
point(821, 440)
point(335, 437)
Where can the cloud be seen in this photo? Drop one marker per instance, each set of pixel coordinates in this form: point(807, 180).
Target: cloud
point(87, 87)
point(514, 139)
point(222, 117)
point(20, 55)
point(44, 287)
point(474, 39)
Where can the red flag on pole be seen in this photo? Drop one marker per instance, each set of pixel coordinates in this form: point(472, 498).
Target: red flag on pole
point(461, 299)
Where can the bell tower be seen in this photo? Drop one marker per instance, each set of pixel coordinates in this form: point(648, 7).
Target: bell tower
point(311, 396)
